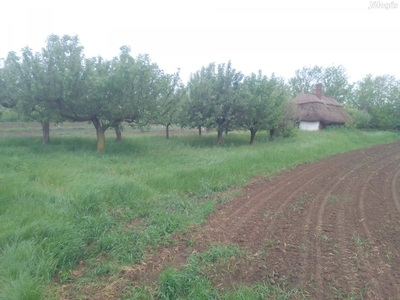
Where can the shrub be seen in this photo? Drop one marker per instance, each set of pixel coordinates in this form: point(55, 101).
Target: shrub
point(288, 130)
point(8, 115)
point(362, 119)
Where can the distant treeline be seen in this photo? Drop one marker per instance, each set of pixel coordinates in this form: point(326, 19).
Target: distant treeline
point(60, 84)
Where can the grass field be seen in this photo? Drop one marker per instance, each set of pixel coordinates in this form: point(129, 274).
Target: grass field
point(64, 203)
point(81, 128)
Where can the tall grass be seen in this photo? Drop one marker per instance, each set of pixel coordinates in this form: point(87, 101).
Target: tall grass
point(64, 203)
point(191, 281)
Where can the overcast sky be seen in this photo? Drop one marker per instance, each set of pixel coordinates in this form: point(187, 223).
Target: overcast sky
point(274, 36)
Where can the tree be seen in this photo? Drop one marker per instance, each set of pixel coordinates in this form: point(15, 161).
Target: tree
point(334, 80)
point(30, 84)
point(168, 106)
point(362, 119)
point(216, 92)
point(78, 85)
point(379, 96)
point(148, 95)
point(200, 91)
point(42, 84)
point(263, 104)
point(47, 77)
point(10, 80)
point(227, 98)
point(305, 80)
point(121, 90)
point(104, 102)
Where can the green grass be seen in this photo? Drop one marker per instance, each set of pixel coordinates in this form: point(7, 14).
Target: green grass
point(191, 281)
point(64, 203)
point(360, 241)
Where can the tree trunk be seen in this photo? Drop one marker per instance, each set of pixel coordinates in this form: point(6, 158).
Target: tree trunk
point(46, 132)
point(100, 131)
point(219, 142)
point(167, 131)
point(101, 139)
point(271, 133)
point(118, 132)
point(199, 127)
point(252, 135)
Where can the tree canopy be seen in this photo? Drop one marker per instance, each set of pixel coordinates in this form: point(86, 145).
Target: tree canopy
point(215, 95)
point(263, 104)
point(379, 96)
point(334, 81)
point(60, 84)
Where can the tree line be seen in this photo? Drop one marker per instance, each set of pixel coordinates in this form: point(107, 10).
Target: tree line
point(60, 84)
point(373, 101)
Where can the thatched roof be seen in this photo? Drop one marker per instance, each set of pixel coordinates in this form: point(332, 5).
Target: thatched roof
point(325, 109)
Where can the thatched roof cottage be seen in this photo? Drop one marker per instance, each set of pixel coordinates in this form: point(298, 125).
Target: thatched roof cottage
point(316, 111)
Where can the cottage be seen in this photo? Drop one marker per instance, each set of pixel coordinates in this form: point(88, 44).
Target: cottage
point(316, 111)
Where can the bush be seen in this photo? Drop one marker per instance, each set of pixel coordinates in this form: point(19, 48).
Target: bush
point(8, 115)
point(288, 130)
point(362, 119)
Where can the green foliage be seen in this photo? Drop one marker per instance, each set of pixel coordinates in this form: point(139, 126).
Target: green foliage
point(167, 107)
point(190, 282)
point(99, 207)
point(137, 90)
point(263, 103)
point(8, 115)
point(214, 98)
point(59, 83)
point(184, 285)
point(198, 109)
point(37, 81)
point(379, 97)
point(288, 130)
point(360, 241)
point(23, 287)
point(362, 119)
point(10, 80)
point(373, 102)
point(220, 253)
point(334, 81)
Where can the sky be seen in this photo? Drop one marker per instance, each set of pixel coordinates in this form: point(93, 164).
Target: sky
point(272, 36)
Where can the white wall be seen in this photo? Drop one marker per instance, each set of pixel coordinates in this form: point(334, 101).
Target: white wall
point(309, 126)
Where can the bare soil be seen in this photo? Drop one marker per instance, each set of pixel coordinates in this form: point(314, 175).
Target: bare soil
point(331, 228)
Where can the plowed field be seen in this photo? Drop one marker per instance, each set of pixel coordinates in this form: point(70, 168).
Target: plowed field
point(331, 228)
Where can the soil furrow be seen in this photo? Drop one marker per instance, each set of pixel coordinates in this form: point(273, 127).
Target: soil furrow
point(338, 193)
point(233, 219)
point(295, 178)
point(378, 213)
point(373, 271)
point(394, 191)
point(307, 244)
point(331, 228)
point(325, 235)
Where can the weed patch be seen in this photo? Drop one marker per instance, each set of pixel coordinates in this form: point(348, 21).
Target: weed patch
point(337, 198)
point(194, 279)
point(360, 241)
point(301, 201)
